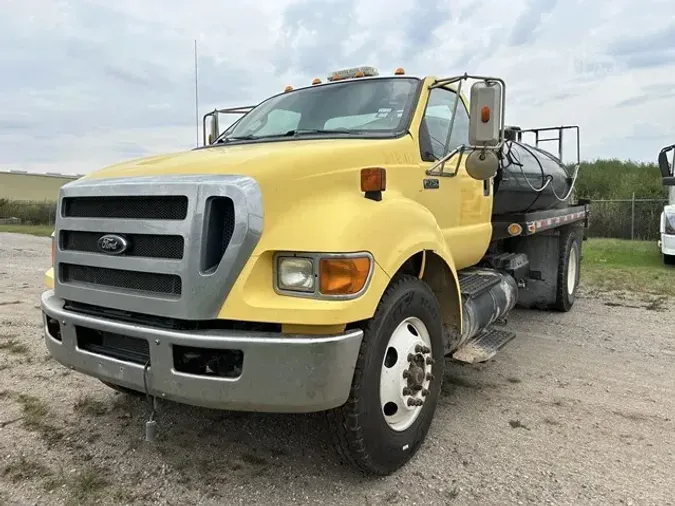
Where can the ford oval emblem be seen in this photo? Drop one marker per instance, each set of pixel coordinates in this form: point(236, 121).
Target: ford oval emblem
point(112, 244)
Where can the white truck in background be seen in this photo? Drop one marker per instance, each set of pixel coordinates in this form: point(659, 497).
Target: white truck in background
point(667, 226)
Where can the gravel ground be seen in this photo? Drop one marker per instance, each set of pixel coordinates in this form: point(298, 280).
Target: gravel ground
point(577, 410)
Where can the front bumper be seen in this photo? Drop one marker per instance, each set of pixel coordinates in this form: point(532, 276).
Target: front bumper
point(667, 244)
point(280, 373)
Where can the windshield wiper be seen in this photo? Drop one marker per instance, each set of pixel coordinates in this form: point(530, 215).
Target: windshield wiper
point(309, 131)
point(290, 133)
point(237, 138)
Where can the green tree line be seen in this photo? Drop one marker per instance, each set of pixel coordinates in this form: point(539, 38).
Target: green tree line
point(619, 180)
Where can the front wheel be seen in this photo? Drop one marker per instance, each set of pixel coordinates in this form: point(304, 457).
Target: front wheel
point(396, 383)
point(668, 259)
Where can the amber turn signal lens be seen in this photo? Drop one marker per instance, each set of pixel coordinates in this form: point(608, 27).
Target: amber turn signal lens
point(373, 180)
point(343, 276)
point(485, 114)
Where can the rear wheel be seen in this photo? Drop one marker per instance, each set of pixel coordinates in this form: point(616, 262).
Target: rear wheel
point(396, 383)
point(569, 263)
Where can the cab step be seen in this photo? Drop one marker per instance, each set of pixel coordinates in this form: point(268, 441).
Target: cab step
point(474, 282)
point(484, 346)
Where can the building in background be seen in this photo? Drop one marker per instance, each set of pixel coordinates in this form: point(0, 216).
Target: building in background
point(20, 185)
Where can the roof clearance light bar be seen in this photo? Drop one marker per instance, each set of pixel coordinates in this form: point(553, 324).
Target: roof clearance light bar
point(338, 75)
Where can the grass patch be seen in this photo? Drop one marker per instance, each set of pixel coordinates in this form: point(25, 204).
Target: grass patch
point(24, 468)
point(35, 411)
point(87, 405)
point(36, 418)
point(14, 347)
point(635, 266)
point(39, 230)
point(88, 485)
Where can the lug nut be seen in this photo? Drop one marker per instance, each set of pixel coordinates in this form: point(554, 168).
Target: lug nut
point(419, 402)
point(425, 392)
point(425, 349)
point(430, 361)
point(418, 348)
point(411, 357)
point(430, 376)
point(417, 387)
point(412, 402)
point(406, 374)
point(407, 391)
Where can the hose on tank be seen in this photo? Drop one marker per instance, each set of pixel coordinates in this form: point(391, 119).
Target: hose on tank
point(549, 178)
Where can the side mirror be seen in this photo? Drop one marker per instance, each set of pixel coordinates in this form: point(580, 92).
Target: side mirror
point(215, 131)
point(485, 116)
point(664, 164)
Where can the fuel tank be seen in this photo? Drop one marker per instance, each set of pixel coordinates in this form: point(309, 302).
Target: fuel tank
point(524, 171)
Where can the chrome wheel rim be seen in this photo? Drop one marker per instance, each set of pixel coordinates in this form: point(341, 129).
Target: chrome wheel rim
point(406, 374)
point(572, 271)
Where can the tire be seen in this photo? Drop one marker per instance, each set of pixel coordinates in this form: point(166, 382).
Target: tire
point(362, 434)
point(669, 259)
point(124, 390)
point(569, 258)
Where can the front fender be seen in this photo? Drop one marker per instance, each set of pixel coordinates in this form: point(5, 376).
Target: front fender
point(392, 230)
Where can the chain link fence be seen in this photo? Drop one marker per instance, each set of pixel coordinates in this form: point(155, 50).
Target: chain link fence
point(634, 219)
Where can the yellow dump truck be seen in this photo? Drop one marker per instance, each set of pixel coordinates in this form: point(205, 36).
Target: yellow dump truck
point(328, 251)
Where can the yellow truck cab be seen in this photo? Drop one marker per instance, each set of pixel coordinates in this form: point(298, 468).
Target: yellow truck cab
point(328, 251)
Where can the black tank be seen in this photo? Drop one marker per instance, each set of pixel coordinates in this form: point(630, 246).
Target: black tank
point(522, 163)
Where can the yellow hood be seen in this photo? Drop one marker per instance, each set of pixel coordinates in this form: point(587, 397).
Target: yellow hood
point(281, 161)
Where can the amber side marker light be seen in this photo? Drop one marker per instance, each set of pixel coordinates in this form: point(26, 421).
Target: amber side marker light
point(515, 229)
point(343, 276)
point(373, 182)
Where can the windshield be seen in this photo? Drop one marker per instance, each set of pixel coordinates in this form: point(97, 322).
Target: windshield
point(371, 107)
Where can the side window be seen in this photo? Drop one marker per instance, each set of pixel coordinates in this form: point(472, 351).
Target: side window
point(276, 121)
point(436, 125)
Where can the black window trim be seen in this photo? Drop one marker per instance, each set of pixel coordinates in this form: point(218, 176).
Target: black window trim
point(424, 113)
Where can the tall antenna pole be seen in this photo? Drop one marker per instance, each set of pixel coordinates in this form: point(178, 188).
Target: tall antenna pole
point(196, 96)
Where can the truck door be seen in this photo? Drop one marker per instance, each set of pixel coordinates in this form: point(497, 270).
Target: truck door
point(461, 204)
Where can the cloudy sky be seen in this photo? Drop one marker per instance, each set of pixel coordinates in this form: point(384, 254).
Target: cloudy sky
point(86, 83)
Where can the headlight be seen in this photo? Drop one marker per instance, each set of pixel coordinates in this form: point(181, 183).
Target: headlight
point(670, 223)
point(295, 274)
point(323, 275)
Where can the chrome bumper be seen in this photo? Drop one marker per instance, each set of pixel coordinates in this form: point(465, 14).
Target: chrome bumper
point(667, 244)
point(279, 373)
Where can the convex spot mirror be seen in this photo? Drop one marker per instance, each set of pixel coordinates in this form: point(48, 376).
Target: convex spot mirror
point(482, 164)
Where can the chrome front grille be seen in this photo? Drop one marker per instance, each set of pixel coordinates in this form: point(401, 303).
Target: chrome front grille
point(186, 238)
point(163, 207)
point(149, 282)
point(142, 245)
